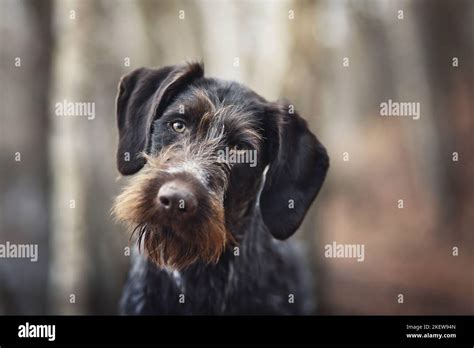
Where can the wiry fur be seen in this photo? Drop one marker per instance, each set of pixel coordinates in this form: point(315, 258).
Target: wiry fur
point(228, 257)
point(169, 242)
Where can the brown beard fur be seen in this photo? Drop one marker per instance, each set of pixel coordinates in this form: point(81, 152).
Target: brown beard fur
point(170, 242)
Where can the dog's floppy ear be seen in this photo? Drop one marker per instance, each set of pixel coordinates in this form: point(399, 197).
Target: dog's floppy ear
point(142, 97)
point(298, 166)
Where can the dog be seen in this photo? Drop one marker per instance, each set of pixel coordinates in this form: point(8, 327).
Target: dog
point(213, 228)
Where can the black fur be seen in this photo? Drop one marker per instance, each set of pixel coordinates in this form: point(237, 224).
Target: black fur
point(262, 274)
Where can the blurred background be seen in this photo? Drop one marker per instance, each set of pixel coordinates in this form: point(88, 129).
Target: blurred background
point(336, 61)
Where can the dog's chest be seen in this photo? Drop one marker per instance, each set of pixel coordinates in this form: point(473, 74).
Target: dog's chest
point(245, 284)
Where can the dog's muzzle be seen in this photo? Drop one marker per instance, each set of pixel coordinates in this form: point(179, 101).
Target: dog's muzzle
point(176, 205)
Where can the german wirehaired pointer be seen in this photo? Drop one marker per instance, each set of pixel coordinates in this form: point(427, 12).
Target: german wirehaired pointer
point(221, 178)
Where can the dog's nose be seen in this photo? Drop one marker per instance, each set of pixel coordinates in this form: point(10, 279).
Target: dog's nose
point(177, 196)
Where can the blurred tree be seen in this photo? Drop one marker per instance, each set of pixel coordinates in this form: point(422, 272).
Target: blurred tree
point(447, 38)
point(70, 147)
point(26, 48)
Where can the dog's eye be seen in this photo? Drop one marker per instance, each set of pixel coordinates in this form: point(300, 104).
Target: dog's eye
point(178, 126)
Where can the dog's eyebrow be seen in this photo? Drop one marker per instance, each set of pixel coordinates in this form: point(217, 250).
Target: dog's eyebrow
point(193, 105)
point(203, 99)
point(250, 137)
point(238, 125)
point(173, 114)
point(198, 103)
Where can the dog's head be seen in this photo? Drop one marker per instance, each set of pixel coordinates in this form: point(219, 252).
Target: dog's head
point(201, 149)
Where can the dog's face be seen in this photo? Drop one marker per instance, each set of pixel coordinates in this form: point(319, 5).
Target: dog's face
point(201, 149)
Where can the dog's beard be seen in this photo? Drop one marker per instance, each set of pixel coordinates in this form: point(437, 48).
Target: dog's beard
point(171, 243)
point(178, 249)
